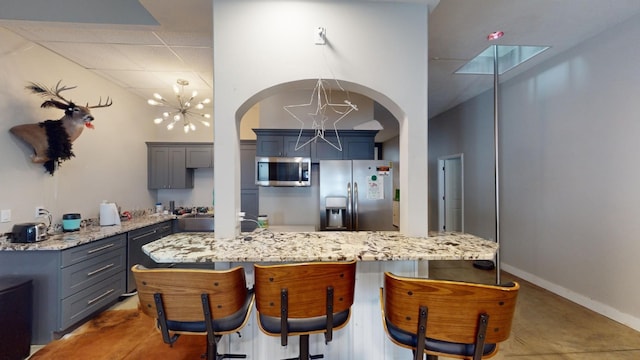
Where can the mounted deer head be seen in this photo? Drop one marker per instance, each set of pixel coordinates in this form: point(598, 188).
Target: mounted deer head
point(51, 139)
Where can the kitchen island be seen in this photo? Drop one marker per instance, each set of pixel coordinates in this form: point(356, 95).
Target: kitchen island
point(376, 252)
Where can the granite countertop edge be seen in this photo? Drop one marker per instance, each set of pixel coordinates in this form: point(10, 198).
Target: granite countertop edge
point(267, 246)
point(64, 240)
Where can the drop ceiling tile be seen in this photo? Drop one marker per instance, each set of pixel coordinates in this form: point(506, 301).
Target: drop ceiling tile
point(198, 58)
point(152, 58)
point(135, 79)
point(35, 31)
point(173, 38)
point(132, 37)
point(94, 56)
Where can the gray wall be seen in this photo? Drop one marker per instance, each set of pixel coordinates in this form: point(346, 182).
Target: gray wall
point(569, 195)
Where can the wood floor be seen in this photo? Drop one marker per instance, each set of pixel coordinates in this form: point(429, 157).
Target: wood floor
point(546, 326)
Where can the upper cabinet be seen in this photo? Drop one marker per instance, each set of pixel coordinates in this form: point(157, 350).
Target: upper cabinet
point(199, 155)
point(170, 165)
point(348, 145)
point(281, 143)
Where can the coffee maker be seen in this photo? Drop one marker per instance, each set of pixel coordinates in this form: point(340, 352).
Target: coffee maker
point(336, 208)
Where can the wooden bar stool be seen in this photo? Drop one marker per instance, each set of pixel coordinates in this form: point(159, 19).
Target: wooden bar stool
point(195, 301)
point(447, 318)
point(303, 299)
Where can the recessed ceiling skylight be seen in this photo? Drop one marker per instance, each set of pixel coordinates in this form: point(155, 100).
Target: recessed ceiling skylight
point(509, 56)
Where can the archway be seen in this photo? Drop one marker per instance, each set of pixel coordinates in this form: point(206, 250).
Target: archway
point(305, 86)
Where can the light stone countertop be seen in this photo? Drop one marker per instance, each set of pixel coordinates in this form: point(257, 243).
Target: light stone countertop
point(64, 240)
point(263, 245)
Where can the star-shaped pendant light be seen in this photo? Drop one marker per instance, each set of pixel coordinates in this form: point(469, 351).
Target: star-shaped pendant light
point(183, 110)
point(317, 112)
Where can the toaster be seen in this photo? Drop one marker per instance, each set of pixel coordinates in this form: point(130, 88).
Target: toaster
point(28, 232)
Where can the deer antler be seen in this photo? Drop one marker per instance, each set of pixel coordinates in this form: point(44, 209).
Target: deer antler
point(108, 103)
point(47, 92)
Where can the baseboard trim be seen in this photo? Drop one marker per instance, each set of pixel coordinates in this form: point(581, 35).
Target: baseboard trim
point(600, 308)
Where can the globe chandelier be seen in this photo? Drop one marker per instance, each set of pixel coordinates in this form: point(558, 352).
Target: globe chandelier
point(183, 111)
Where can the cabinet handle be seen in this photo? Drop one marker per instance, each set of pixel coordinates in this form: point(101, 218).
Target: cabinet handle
point(100, 297)
point(143, 235)
point(91, 273)
point(101, 248)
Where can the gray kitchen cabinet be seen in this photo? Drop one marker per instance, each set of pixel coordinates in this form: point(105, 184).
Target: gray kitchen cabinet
point(70, 285)
point(248, 164)
point(135, 240)
point(249, 201)
point(282, 143)
point(355, 144)
point(324, 149)
point(348, 145)
point(199, 155)
point(167, 167)
point(359, 146)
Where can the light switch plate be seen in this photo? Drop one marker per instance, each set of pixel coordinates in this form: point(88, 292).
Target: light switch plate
point(319, 36)
point(5, 215)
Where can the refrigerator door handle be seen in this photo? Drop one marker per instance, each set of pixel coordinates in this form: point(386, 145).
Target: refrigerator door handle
point(355, 207)
point(349, 206)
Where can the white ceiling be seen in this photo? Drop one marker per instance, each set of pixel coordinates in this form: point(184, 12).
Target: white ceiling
point(176, 40)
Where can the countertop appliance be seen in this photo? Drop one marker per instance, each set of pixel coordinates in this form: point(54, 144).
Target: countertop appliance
point(357, 195)
point(28, 232)
point(71, 222)
point(109, 214)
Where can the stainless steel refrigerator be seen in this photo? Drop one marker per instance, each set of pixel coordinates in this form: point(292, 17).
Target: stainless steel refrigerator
point(357, 195)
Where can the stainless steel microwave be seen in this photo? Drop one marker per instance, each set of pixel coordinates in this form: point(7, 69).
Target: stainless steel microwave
point(283, 171)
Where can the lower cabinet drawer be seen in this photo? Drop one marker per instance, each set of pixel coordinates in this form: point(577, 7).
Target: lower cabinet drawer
point(92, 271)
point(84, 303)
point(83, 252)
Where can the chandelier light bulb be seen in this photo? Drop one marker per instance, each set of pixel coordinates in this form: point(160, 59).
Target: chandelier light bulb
point(182, 109)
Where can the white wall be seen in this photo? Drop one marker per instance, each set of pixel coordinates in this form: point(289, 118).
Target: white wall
point(110, 161)
point(261, 45)
point(569, 174)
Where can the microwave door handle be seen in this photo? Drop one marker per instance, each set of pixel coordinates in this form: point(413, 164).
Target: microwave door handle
point(355, 207)
point(349, 206)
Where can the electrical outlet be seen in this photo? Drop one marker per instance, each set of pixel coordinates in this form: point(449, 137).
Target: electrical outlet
point(5, 215)
point(241, 216)
point(40, 210)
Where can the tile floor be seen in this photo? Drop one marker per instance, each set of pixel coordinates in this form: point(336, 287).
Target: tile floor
point(546, 326)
